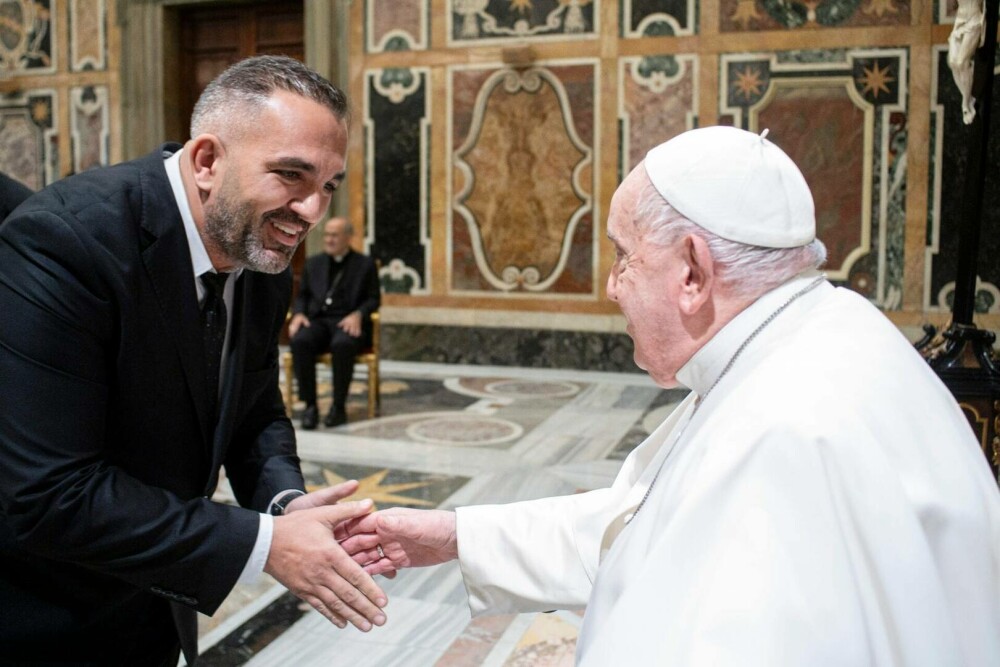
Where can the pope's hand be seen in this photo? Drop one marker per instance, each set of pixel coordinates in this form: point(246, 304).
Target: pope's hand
point(407, 537)
point(360, 544)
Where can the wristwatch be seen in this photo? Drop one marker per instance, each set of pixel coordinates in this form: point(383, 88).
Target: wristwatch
point(279, 504)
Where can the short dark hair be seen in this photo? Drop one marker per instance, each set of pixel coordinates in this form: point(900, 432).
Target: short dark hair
point(244, 87)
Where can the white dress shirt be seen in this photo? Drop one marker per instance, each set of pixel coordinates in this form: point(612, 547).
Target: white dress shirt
point(201, 264)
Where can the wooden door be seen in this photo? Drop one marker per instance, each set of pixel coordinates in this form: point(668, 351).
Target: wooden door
point(213, 38)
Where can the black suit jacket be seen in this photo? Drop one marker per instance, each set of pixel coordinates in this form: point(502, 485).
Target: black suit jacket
point(356, 289)
point(108, 455)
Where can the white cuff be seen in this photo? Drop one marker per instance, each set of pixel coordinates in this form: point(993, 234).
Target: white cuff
point(261, 548)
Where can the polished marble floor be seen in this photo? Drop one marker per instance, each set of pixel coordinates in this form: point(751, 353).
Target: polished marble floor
point(449, 436)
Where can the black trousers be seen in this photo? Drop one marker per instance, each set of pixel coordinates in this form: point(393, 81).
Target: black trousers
point(323, 335)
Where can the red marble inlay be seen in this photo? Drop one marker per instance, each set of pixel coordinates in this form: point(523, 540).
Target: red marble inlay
point(822, 130)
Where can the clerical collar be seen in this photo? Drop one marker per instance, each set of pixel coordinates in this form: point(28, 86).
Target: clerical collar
point(701, 370)
point(340, 258)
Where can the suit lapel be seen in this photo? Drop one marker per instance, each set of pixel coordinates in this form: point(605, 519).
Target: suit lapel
point(167, 259)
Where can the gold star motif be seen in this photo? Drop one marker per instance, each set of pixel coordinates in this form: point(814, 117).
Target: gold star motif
point(875, 80)
point(748, 82)
point(745, 13)
point(371, 487)
point(880, 7)
point(40, 112)
point(523, 6)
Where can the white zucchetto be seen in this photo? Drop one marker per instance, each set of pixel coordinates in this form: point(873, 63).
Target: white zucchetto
point(735, 184)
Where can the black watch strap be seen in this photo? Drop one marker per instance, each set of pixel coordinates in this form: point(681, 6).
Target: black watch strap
point(279, 504)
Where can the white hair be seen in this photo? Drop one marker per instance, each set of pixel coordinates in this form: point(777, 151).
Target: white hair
point(745, 271)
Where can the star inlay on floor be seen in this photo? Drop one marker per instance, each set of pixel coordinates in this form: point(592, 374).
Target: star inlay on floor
point(384, 495)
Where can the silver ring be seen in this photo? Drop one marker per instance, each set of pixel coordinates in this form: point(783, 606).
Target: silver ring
point(378, 548)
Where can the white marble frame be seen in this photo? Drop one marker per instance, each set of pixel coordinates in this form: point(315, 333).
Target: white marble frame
point(396, 266)
point(503, 288)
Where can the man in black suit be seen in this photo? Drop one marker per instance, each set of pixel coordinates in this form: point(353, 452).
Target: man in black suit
point(338, 293)
point(138, 354)
point(12, 193)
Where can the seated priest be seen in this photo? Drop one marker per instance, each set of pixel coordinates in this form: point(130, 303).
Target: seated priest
point(338, 293)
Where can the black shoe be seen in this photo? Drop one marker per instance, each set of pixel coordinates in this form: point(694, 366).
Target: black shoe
point(336, 417)
point(310, 418)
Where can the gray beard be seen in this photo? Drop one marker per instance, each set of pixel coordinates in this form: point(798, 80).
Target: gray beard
point(230, 227)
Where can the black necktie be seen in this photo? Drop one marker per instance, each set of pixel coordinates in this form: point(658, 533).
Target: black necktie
point(213, 320)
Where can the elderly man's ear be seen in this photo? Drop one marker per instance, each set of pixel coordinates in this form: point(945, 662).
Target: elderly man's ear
point(699, 274)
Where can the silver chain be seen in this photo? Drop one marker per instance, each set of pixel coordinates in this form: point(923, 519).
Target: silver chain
point(732, 360)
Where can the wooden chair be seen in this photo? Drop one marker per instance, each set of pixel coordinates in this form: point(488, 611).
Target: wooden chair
point(369, 357)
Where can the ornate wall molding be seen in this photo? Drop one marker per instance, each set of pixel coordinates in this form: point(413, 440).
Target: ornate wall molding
point(643, 18)
point(88, 42)
point(657, 100)
point(522, 180)
point(844, 110)
point(749, 15)
point(89, 126)
point(492, 21)
point(30, 137)
point(397, 107)
point(396, 25)
point(26, 43)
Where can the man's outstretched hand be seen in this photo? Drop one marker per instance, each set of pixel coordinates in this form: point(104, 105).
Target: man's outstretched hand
point(332, 495)
point(408, 538)
point(308, 560)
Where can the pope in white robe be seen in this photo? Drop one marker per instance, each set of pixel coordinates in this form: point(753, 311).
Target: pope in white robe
point(818, 499)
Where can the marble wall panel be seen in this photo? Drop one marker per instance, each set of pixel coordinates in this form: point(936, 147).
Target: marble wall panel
point(482, 21)
point(26, 30)
point(397, 116)
point(29, 137)
point(395, 25)
point(87, 35)
point(522, 179)
point(949, 156)
point(89, 126)
point(656, 18)
point(754, 15)
point(658, 99)
point(842, 109)
point(841, 115)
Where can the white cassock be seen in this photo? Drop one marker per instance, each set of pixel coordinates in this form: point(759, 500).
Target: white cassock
point(827, 505)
